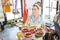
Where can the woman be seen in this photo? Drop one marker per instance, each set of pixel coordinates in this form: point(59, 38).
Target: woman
point(35, 19)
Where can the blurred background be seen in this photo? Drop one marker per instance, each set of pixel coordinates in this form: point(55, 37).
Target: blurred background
point(13, 12)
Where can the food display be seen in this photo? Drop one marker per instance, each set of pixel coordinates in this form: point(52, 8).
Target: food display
point(32, 30)
point(29, 32)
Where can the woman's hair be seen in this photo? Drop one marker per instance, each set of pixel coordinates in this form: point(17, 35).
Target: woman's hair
point(38, 4)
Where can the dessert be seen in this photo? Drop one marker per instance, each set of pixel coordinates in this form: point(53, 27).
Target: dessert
point(25, 30)
point(39, 29)
point(28, 35)
point(39, 34)
point(32, 31)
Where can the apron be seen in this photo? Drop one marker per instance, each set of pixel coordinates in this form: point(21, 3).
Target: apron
point(31, 23)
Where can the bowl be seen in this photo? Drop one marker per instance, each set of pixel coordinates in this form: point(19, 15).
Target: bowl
point(39, 29)
point(39, 34)
point(32, 31)
point(28, 35)
point(25, 30)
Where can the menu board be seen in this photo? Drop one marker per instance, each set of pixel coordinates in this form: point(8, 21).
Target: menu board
point(1, 13)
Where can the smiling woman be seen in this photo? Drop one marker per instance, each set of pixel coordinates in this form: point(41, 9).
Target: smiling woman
point(35, 18)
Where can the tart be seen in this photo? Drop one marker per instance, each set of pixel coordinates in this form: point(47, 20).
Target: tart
point(25, 30)
point(28, 35)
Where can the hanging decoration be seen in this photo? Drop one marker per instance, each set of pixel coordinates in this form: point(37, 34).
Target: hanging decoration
point(15, 11)
point(25, 12)
point(6, 6)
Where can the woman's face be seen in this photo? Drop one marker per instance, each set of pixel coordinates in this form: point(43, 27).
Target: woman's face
point(35, 10)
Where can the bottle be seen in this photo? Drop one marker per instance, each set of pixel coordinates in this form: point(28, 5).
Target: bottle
point(19, 34)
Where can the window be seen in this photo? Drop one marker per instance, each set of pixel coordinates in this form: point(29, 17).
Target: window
point(16, 5)
point(49, 9)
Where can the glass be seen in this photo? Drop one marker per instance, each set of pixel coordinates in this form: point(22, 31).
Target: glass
point(23, 26)
point(19, 35)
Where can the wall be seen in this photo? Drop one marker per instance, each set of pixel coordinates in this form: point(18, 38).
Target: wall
point(1, 12)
